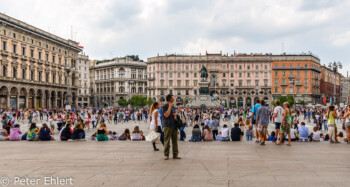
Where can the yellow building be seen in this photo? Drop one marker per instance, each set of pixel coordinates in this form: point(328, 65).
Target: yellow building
point(35, 67)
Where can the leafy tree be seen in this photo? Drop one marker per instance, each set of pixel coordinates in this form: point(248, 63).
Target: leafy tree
point(289, 99)
point(122, 102)
point(302, 102)
point(149, 101)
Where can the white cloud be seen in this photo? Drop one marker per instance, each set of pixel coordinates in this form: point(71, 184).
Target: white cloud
point(111, 28)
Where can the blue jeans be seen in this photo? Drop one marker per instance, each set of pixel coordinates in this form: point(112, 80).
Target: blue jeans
point(325, 125)
point(93, 124)
point(182, 133)
point(248, 137)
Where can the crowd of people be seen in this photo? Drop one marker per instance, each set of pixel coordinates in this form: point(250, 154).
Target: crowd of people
point(216, 124)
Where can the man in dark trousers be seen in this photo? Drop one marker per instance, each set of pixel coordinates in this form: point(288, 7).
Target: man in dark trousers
point(170, 130)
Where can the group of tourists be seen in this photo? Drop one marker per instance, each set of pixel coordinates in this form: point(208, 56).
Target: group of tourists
point(216, 124)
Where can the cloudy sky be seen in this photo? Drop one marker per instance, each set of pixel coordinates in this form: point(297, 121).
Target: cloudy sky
point(114, 28)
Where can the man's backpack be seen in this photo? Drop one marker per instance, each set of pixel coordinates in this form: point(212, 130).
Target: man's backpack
point(178, 122)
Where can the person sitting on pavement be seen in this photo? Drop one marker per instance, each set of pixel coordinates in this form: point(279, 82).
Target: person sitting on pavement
point(207, 134)
point(33, 129)
point(225, 133)
point(125, 135)
point(102, 133)
point(272, 136)
point(66, 132)
point(196, 134)
point(15, 133)
point(78, 132)
point(236, 133)
point(136, 135)
point(3, 135)
point(316, 135)
point(303, 133)
point(45, 133)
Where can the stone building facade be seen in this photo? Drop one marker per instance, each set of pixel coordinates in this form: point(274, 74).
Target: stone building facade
point(328, 79)
point(84, 80)
point(237, 79)
point(33, 67)
point(297, 76)
point(117, 78)
point(344, 86)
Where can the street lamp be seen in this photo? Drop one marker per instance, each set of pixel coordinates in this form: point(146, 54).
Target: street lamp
point(68, 70)
point(292, 82)
point(334, 66)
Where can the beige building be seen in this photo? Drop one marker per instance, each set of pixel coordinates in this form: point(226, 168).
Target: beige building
point(238, 79)
point(84, 80)
point(117, 78)
point(33, 67)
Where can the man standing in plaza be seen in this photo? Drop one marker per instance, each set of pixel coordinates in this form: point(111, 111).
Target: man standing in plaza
point(254, 115)
point(278, 115)
point(263, 121)
point(170, 129)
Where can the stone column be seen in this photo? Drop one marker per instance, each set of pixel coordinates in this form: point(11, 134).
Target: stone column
point(17, 103)
point(26, 101)
point(48, 102)
point(34, 101)
point(8, 99)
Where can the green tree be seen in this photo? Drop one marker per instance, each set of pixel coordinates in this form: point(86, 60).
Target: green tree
point(302, 102)
point(139, 101)
point(122, 102)
point(149, 101)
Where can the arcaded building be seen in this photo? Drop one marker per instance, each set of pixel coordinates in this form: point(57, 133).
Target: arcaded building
point(33, 67)
point(238, 79)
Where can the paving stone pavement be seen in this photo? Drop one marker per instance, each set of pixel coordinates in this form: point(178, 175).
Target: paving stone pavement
point(118, 163)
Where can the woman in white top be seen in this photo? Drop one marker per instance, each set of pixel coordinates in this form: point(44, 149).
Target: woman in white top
point(225, 134)
point(347, 122)
point(156, 123)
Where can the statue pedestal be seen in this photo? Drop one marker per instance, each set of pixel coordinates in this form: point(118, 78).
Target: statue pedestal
point(204, 99)
point(203, 88)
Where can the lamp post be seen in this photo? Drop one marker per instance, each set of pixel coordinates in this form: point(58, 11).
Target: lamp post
point(292, 82)
point(334, 66)
point(68, 70)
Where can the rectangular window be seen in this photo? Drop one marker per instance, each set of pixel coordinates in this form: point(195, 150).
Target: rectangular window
point(283, 90)
point(256, 66)
point(240, 67)
point(265, 82)
point(4, 45)
point(276, 81)
point(187, 75)
point(194, 83)
point(187, 67)
point(23, 51)
point(240, 75)
point(195, 75)
point(265, 66)
point(306, 81)
point(4, 71)
point(298, 73)
point(47, 58)
point(32, 53)
point(53, 59)
point(306, 73)
point(32, 75)
point(232, 83)
point(161, 67)
point(178, 92)
point(231, 67)
point(170, 75)
point(283, 73)
point(248, 75)
point(14, 48)
point(276, 90)
point(23, 73)
point(298, 90)
point(265, 74)
point(162, 75)
point(178, 83)
point(39, 54)
point(248, 83)
point(178, 75)
point(276, 73)
point(187, 92)
point(283, 81)
point(231, 75)
point(256, 75)
point(240, 83)
point(224, 75)
point(256, 83)
point(178, 67)
point(187, 83)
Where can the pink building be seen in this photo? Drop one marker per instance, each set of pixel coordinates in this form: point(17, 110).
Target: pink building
point(238, 79)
